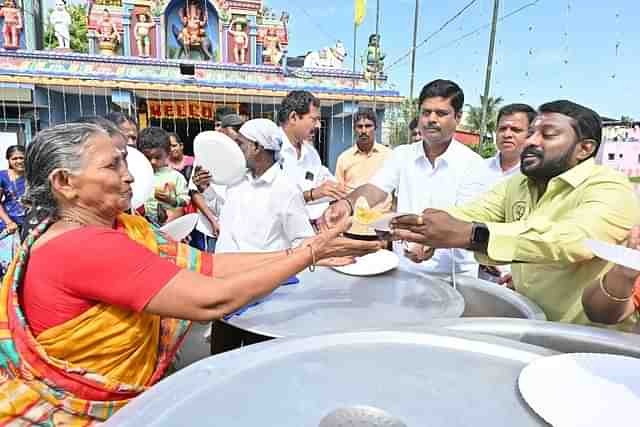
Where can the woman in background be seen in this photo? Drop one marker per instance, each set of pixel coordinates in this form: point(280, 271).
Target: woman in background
point(11, 209)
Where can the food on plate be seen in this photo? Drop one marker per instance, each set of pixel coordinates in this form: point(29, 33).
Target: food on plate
point(363, 216)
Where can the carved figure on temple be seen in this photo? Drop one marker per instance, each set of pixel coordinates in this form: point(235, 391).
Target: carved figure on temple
point(327, 57)
point(272, 53)
point(61, 21)
point(12, 24)
point(141, 31)
point(108, 36)
point(240, 41)
point(373, 58)
point(193, 35)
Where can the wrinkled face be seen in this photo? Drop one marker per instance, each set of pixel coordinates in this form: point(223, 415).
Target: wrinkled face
point(512, 133)
point(16, 162)
point(438, 120)
point(104, 183)
point(365, 134)
point(157, 157)
point(130, 131)
point(176, 150)
point(553, 147)
point(305, 125)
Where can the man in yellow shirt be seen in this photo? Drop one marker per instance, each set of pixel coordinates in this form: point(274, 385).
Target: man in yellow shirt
point(357, 165)
point(539, 219)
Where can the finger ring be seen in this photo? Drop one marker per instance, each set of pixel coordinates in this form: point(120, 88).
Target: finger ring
point(420, 220)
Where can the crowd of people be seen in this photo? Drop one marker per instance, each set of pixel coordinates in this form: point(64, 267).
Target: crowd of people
point(97, 300)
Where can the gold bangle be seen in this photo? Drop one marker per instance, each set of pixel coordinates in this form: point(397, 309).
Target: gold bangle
point(608, 295)
point(312, 267)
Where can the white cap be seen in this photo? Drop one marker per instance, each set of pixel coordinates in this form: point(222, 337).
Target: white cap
point(264, 133)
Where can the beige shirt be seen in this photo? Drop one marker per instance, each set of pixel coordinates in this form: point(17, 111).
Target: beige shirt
point(355, 168)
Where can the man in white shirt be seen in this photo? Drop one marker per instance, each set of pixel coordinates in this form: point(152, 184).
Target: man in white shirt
point(511, 136)
point(437, 172)
point(512, 131)
point(265, 211)
point(299, 117)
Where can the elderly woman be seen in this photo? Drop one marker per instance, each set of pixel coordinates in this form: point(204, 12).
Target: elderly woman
point(89, 306)
point(615, 297)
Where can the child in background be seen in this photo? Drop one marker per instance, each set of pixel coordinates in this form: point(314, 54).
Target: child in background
point(171, 192)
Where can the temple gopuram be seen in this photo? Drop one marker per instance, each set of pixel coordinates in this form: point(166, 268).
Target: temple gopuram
point(170, 63)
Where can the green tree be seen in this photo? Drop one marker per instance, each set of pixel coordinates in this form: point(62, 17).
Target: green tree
point(474, 115)
point(628, 120)
point(397, 121)
point(78, 30)
point(473, 122)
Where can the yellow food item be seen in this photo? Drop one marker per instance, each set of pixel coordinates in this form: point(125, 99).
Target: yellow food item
point(364, 214)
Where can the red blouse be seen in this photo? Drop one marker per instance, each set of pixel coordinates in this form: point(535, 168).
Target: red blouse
point(71, 273)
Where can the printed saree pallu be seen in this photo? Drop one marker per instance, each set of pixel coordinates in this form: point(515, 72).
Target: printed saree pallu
point(41, 383)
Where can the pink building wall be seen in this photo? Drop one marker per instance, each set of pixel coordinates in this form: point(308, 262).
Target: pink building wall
point(623, 156)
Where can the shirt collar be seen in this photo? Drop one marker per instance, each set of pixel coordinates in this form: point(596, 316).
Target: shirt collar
point(579, 173)
point(374, 149)
point(450, 151)
point(287, 145)
point(496, 163)
point(268, 177)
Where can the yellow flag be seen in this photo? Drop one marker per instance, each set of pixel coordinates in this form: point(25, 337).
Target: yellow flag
point(360, 11)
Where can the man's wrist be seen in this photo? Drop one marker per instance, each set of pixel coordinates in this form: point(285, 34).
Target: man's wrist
point(478, 237)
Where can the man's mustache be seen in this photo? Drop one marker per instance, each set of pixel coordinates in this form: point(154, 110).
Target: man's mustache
point(532, 150)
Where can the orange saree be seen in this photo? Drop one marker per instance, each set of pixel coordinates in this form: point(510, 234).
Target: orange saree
point(81, 372)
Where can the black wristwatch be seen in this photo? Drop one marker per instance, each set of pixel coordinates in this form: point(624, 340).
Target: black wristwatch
point(479, 237)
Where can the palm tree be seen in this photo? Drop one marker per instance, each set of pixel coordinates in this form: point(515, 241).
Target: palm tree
point(78, 30)
point(474, 115)
point(473, 120)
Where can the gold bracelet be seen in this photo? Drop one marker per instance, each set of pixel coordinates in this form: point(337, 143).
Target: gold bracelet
point(612, 297)
point(312, 267)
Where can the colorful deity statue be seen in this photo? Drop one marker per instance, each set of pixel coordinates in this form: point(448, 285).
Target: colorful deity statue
point(272, 53)
point(108, 36)
point(193, 35)
point(239, 41)
point(12, 24)
point(141, 31)
point(373, 58)
point(61, 22)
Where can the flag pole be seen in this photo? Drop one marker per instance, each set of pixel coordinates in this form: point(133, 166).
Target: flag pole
point(377, 58)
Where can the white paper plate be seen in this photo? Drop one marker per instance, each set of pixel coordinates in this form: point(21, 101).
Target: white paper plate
point(622, 255)
point(372, 264)
point(221, 156)
point(384, 223)
point(142, 172)
point(180, 228)
point(586, 390)
point(320, 201)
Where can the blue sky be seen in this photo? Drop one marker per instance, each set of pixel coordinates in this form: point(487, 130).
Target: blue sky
point(584, 50)
point(555, 49)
